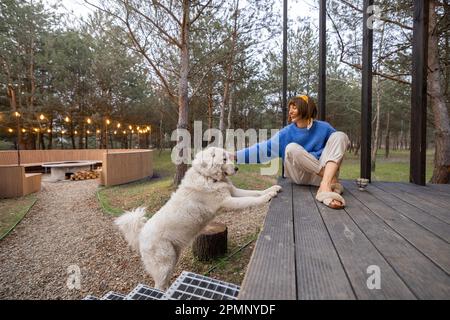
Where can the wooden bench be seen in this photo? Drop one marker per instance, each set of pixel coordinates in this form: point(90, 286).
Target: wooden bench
point(119, 166)
point(16, 183)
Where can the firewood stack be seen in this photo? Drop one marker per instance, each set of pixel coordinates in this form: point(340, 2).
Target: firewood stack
point(85, 175)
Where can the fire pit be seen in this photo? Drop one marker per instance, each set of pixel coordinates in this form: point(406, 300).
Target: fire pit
point(60, 169)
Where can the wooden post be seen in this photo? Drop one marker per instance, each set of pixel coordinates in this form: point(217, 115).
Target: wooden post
point(284, 106)
point(419, 93)
point(322, 58)
point(285, 17)
point(366, 95)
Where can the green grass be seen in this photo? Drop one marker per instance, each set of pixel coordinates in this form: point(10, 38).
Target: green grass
point(6, 145)
point(395, 168)
point(12, 211)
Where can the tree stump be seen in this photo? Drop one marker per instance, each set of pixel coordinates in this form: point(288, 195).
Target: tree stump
point(211, 242)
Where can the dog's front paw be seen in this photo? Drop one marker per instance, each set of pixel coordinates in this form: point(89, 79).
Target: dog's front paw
point(267, 197)
point(273, 194)
point(275, 188)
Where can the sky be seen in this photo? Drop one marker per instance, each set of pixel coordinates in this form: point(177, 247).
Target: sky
point(296, 8)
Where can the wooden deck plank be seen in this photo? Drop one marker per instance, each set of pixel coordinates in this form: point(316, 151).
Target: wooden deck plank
point(357, 253)
point(426, 206)
point(432, 224)
point(320, 274)
point(271, 271)
point(433, 247)
point(422, 276)
point(440, 187)
point(424, 193)
point(429, 188)
point(441, 198)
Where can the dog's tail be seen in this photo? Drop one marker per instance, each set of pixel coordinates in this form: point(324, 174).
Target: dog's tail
point(131, 223)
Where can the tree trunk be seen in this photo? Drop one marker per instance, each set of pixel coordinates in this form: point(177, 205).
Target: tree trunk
point(50, 134)
point(81, 137)
point(41, 140)
point(377, 126)
point(230, 109)
point(210, 108)
point(12, 97)
point(358, 146)
point(229, 74)
point(378, 115)
point(183, 103)
point(161, 138)
point(211, 242)
point(441, 172)
point(388, 133)
point(111, 142)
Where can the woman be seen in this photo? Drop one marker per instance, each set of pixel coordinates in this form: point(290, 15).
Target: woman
point(312, 151)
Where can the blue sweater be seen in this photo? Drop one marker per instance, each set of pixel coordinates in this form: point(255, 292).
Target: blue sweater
point(312, 140)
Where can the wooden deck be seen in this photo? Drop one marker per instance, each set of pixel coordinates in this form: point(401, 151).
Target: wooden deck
point(308, 251)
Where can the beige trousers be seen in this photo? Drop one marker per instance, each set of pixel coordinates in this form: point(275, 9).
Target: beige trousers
point(303, 168)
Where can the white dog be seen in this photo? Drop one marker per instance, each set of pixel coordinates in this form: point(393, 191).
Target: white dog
point(204, 190)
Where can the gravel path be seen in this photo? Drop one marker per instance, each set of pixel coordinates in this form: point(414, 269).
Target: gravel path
point(67, 228)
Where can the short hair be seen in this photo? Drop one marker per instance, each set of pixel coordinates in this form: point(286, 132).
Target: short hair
point(306, 107)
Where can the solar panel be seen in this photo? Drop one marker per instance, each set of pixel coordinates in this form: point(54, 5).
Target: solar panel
point(191, 286)
point(89, 297)
point(113, 296)
point(143, 292)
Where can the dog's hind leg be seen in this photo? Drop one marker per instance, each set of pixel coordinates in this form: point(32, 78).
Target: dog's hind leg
point(160, 263)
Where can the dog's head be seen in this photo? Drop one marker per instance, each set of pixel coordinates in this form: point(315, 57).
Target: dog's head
point(214, 163)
